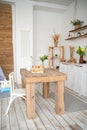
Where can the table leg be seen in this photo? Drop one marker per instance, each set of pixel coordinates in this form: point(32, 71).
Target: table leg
point(30, 101)
point(45, 90)
point(59, 97)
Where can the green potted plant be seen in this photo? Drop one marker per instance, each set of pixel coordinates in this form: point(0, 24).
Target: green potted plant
point(56, 55)
point(43, 57)
point(79, 33)
point(81, 51)
point(77, 23)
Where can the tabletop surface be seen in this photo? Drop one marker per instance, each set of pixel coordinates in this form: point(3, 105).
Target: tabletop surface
point(48, 76)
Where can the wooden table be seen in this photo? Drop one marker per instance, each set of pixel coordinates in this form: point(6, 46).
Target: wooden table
point(50, 75)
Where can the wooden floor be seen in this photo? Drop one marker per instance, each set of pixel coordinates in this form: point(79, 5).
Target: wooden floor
point(46, 118)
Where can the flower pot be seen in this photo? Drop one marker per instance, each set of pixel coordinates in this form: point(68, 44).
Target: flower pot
point(46, 64)
point(81, 59)
point(55, 43)
point(77, 26)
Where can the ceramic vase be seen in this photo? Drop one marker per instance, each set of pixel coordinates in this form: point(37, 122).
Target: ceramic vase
point(81, 59)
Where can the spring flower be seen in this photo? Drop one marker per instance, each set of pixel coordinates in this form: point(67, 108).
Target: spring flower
point(43, 57)
point(81, 50)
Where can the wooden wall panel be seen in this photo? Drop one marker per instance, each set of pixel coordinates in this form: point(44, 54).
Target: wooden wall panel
point(6, 47)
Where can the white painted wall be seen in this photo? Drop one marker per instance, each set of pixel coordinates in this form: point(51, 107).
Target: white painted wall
point(46, 21)
point(66, 26)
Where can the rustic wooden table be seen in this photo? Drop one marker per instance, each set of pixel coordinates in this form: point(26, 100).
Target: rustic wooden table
point(50, 75)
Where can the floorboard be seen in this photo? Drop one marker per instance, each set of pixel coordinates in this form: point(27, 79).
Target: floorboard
point(46, 118)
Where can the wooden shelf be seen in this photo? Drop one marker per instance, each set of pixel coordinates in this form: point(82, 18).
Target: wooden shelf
point(52, 58)
point(85, 35)
point(78, 36)
point(78, 29)
point(53, 47)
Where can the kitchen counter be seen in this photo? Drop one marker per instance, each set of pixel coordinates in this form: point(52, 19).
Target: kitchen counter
point(76, 76)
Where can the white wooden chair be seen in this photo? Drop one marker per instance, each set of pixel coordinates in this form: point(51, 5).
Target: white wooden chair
point(14, 92)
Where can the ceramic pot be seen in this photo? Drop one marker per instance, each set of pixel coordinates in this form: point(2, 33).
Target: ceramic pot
point(81, 59)
point(55, 43)
point(77, 26)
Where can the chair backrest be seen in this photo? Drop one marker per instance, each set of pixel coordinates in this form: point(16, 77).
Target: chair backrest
point(11, 81)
